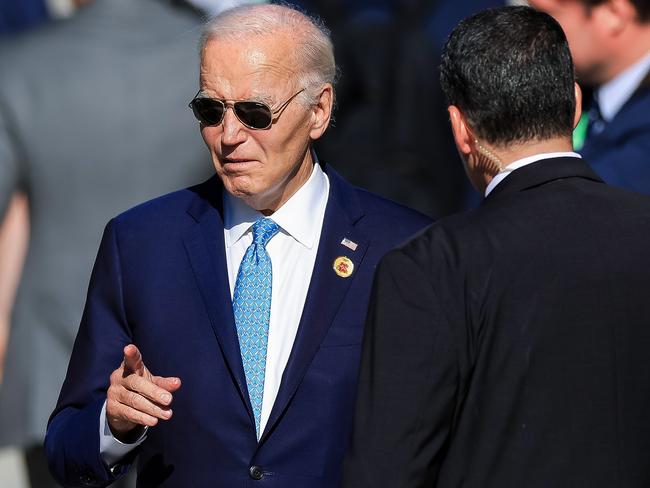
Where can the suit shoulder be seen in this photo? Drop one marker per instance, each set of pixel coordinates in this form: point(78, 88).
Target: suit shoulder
point(380, 210)
point(163, 207)
point(445, 237)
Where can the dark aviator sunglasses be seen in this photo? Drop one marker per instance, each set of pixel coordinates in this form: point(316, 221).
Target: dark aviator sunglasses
point(254, 115)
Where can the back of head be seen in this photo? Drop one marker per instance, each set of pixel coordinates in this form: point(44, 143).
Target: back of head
point(509, 71)
point(313, 54)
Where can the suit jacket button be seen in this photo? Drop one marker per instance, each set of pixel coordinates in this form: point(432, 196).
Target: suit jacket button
point(256, 473)
point(87, 479)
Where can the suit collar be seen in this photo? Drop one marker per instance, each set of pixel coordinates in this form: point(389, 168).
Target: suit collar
point(645, 83)
point(520, 163)
point(344, 195)
point(208, 198)
point(632, 115)
point(642, 91)
point(541, 172)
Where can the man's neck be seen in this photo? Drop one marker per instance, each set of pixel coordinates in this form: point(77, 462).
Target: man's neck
point(519, 151)
point(524, 155)
point(516, 152)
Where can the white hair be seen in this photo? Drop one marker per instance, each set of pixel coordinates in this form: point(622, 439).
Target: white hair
point(314, 53)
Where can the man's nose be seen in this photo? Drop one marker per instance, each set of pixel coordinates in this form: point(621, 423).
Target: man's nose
point(233, 130)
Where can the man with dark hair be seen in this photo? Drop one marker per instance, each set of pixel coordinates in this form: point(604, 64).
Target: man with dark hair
point(610, 44)
point(507, 347)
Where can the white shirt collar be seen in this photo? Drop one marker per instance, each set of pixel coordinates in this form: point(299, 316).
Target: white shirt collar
point(612, 95)
point(519, 163)
point(295, 217)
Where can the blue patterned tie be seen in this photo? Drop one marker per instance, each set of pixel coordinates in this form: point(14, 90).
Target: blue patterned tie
point(252, 308)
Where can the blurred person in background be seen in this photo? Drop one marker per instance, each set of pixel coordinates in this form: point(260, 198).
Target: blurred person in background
point(14, 232)
point(610, 43)
point(93, 118)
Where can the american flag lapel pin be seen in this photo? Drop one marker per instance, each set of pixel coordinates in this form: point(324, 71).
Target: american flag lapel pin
point(349, 244)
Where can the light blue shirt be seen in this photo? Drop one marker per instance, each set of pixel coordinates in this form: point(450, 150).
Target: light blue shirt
point(612, 95)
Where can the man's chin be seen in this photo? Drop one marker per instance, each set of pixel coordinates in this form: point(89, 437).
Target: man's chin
point(246, 194)
point(591, 77)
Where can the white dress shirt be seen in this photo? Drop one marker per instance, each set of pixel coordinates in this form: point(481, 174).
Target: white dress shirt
point(519, 163)
point(293, 254)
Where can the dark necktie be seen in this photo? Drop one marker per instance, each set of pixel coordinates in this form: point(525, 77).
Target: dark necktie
point(596, 123)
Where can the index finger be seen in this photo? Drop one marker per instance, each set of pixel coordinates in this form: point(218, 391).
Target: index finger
point(133, 360)
point(148, 389)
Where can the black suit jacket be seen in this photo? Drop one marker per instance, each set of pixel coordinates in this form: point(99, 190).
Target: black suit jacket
point(508, 347)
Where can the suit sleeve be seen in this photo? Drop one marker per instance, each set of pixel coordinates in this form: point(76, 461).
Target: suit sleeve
point(72, 438)
point(408, 383)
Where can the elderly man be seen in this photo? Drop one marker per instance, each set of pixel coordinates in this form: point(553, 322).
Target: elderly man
point(610, 43)
point(243, 298)
point(507, 347)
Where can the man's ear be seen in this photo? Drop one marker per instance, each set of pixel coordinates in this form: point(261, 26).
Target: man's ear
point(322, 112)
point(462, 134)
point(578, 96)
point(615, 15)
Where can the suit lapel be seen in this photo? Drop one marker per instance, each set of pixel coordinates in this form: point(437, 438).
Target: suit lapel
point(204, 243)
point(326, 290)
point(640, 91)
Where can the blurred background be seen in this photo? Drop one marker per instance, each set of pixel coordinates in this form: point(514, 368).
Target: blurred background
point(94, 119)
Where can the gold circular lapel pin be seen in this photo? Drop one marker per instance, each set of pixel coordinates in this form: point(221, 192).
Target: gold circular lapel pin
point(343, 266)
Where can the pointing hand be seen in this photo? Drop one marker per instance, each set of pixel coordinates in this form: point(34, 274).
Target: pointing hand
point(135, 397)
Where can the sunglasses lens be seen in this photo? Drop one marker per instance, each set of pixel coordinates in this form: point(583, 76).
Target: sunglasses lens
point(208, 112)
point(254, 114)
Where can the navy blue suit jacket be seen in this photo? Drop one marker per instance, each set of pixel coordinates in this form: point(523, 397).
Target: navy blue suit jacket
point(621, 153)
point(160, 282)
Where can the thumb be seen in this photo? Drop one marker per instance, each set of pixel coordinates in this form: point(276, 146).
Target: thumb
point(133, 361)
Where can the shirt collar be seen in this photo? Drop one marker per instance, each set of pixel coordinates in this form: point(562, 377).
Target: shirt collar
point(612, 95)
point(519, 163)
point(295, 217)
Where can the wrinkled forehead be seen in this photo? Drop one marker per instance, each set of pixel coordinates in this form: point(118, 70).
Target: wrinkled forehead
point(260, 65)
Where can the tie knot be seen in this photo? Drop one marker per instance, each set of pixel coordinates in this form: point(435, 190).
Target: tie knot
point(263, 230)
